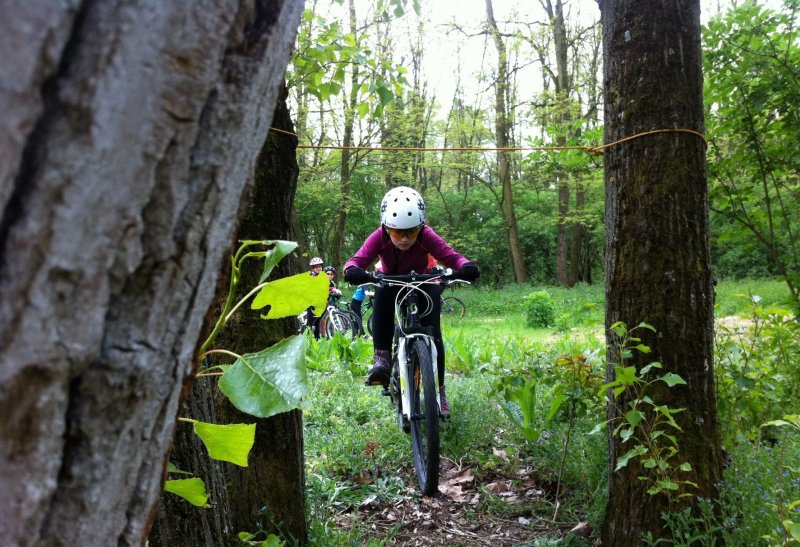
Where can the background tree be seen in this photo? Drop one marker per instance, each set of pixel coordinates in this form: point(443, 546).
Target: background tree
point(502, 129)
point(657, 250)
point(346, 72)
point(269, 494)
point(126, 142)
point(752, 93)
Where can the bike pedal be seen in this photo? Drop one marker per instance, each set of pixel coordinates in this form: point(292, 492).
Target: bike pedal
point(385, 391)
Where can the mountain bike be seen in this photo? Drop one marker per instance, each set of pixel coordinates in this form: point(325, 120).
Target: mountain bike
point(453, 305)
point(414, 382)
point(338, 318)
point(335, 318)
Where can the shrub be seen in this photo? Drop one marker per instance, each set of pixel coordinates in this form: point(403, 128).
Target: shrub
point(540, 312)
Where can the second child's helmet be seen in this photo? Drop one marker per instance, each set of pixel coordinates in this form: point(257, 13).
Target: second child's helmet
point(402, 208)
point(316, 261)
point(327, 269)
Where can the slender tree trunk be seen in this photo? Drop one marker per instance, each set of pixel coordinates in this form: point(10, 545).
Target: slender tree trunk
point(269, 493)
point(503, 164)
point(563, 88)
point(349, 122)
point(657, 242)
point(562, 235)
point(126, 142)
point(577, 250)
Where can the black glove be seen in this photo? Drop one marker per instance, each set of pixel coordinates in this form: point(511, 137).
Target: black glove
point(468, 272)
point(356, 276)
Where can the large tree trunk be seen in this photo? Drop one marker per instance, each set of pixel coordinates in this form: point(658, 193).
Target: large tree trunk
point(503, 164)
point(657, 241)
point(127, 138)
point(274, 479)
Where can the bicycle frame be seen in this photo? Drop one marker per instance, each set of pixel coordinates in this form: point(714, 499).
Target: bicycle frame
point(408, 327)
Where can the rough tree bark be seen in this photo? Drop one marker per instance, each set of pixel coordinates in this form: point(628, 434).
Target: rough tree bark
point(269, 493)
point(657, 242)
point(127, 137)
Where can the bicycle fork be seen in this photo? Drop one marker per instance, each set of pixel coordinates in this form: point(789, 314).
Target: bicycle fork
point(402, 361)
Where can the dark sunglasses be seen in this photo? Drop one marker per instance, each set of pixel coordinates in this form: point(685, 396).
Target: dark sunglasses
point(398, 233)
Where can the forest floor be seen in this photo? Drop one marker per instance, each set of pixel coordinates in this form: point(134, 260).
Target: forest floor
point(457, 516)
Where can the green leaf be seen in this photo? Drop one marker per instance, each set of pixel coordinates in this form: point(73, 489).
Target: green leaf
point(192, 490)
point(363, 109)
point(634, 417)
point(686, 466)
point(672, 379)
point(793, 528)
point(385, 95)
point(274, 255)
point(293, 295)
point(271, 381)
point(598, 428)
point(172, 469)
point(637, 450)
point(229, 443)
point(626, 375)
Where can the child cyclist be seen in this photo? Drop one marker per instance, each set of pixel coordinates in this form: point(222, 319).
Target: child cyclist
point(403, 243)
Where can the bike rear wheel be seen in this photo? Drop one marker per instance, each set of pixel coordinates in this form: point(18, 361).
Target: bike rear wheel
point(452, 305)
point(424, 418)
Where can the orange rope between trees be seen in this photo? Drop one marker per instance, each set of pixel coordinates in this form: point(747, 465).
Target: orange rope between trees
point(597, 150)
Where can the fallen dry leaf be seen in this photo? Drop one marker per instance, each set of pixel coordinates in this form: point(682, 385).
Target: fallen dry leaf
point(365, 477)
point(583, 529)
point(500, 453)
point(498, 487)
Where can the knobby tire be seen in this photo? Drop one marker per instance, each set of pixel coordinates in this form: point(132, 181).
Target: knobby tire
point(453, 305)
point(338, 321)
point(425, 418)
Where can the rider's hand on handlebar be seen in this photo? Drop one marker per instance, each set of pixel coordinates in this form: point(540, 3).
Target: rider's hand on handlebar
point(356, 276)
point(467, 272)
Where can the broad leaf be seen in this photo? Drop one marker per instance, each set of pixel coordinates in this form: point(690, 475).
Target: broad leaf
point(634, 417)
point(229, 443)
point(274, 255)
point(268, 382)
point(793, 528)
point(192, 490)
point(637, 450)
point(293, 295)
point(672, 379)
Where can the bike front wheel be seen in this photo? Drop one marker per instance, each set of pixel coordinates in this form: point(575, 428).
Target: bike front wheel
point(452, 305)
point(424, 418)
point(338, 321)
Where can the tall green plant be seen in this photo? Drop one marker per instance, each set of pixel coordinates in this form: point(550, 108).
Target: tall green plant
point(644, 425)
point(264, 383)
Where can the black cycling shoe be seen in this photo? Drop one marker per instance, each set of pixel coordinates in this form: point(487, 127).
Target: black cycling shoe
point(379, 374)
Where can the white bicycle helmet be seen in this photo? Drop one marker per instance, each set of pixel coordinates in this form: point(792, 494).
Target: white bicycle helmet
point(402, 208)
point(316, 261)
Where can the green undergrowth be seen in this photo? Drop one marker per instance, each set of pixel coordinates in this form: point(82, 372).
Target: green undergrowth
point(526, 403)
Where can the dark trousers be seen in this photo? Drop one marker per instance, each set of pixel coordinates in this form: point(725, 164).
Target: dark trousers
point(383, 320)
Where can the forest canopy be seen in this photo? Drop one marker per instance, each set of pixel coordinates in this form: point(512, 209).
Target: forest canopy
point(355, 82)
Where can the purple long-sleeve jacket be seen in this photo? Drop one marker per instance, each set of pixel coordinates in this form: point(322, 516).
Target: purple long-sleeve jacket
point(397, 262)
